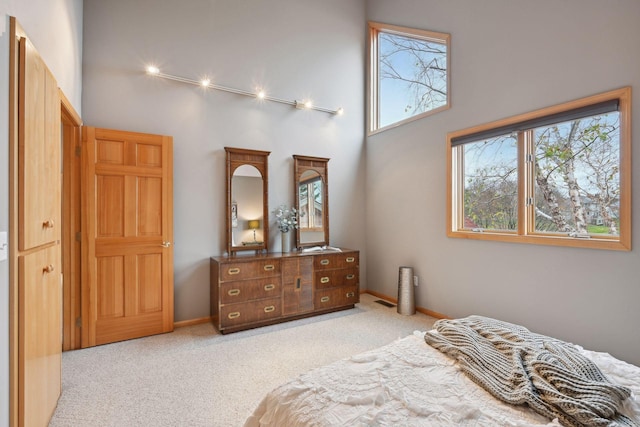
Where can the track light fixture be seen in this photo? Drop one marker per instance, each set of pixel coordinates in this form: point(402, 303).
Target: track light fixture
point(154, 71)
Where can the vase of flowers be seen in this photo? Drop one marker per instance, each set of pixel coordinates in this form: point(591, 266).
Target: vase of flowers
point(286, 219)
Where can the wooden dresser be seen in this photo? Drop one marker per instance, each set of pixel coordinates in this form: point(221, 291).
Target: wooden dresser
point(248, 291)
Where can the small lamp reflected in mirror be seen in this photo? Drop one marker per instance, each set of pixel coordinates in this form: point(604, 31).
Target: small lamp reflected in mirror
point(254, 225)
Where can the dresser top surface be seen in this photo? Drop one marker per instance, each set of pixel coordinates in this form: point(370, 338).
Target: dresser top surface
point(273, 255)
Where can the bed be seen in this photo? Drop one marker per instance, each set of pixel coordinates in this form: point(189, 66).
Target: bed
point(459, 379)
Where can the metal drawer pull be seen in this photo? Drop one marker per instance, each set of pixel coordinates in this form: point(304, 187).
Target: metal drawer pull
point(324, 280)
point(324, 299)
point(269, 309)
point(324, 262)
point(350, 276)
point(234, 292)
point(350, 294)
point(269, 287)
point(48, 269)
point(234, 315)
point(269, 267)
point(351, 259)
point(234, 270)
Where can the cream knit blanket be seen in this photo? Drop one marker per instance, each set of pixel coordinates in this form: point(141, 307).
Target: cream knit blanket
point(521, 367)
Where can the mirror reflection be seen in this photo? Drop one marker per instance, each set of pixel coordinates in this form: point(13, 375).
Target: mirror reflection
point(311, 195)
point(246, 207)
point(310, 207)
point(247, 198)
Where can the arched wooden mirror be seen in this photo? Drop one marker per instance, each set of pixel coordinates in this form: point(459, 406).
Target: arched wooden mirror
point(247, 200)
point(311, 188)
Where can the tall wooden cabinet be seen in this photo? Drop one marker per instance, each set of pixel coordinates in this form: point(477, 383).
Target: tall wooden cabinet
point(35, 232)
point(248, 291)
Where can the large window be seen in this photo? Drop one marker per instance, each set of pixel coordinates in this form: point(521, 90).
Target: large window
point(409, 74)
point(558, 176)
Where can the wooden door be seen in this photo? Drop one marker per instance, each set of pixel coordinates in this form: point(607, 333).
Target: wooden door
point(41, 327)
point(127, 235)
point(39, 285)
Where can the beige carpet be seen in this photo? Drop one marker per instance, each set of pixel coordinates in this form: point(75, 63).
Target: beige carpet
point(197, 377)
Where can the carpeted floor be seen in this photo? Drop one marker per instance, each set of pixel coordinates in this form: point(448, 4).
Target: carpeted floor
point(197, 377)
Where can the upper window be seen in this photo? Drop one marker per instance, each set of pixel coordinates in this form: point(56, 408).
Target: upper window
point(409, 74)
point(558, 176)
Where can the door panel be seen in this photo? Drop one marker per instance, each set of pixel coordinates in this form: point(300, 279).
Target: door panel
point(127, 235)
point(110, 284)
point(41, 329)
point(38, 152)
point(149, 206)
point(110, 195)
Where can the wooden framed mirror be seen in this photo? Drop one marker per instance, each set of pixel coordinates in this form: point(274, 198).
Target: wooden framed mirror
point(247, 200)
point(311, 189)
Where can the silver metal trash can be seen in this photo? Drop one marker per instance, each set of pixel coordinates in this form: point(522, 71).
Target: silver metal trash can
point(406, 293)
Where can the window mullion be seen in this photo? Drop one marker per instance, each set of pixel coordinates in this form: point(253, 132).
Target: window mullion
point(527, 213)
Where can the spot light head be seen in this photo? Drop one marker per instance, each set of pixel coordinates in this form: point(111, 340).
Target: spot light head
point(340, 111)
point(153, 70)
point(261, 94)
point(205, 82)
point(304, 105)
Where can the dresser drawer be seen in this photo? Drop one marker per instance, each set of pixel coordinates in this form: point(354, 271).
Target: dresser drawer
point(248, 312)
point(249, 270)
point(336, 297)
point(336, 260)
point(245, 290)
point(331, 278)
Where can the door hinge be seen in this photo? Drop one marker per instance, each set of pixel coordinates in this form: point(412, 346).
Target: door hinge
point(78, 322)
point(78, 237)
point(78, 150)
point(529, 201)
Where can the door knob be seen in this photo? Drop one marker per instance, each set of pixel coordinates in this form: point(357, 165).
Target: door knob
point(166, 244)
point(48, 269)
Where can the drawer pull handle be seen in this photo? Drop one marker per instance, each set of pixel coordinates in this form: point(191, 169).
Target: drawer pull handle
point(324, 262)
point(269, 267)
point(324, 280)
point(269, 287)
point(234, 271)
point(351, 259)
point(350, 294)
point(234, 315)
point(48, 269)
point(350, 276)
point(48, 223)
point(324, 299)
point(234, 292)
point(269, 309)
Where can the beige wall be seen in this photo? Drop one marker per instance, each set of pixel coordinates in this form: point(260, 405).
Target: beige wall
point(296, 48)
point(55, 29)
point(507, 57)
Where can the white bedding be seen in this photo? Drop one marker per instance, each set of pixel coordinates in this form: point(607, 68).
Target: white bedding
point(408, 383)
